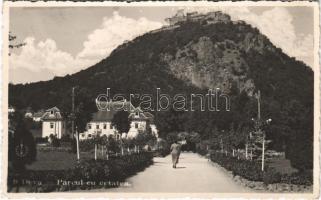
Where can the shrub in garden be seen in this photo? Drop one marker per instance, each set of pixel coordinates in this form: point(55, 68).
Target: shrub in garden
point(163, 148)
point(86, 145)
point(298, 178)
point(201, 148)
point(40, 140)
point(55, 142)
point(270, 176)
point(116, 169)
point(251, 170)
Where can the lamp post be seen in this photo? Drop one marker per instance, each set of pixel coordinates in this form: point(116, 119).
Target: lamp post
point(72, 117)
point(258, 125)
point(77, 143)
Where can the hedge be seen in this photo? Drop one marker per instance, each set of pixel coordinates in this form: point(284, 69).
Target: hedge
point(245, 168)
point(251, 170)
point(95, 172)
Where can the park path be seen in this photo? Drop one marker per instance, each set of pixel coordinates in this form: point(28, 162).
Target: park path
point(193, 174)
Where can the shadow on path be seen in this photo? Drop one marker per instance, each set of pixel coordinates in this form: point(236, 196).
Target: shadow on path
point(180, 167)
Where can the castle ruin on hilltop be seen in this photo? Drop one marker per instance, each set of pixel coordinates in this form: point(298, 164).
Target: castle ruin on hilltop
point(210, 17)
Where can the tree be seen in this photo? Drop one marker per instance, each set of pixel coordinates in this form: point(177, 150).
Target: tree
point(54, 140)
point(84, 108)
point(299, 147)
point(22, 147)
point(121, 121)
point(112, 144)
point(13, 45)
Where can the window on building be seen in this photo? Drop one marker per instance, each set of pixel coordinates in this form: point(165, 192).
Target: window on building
point(89, 135)
point(105, 126)
point(51, 112)
point(97, 126)
point(136, 125)
point(110, 126)
point(51, 125)
point(137, 113)
point(89, 126)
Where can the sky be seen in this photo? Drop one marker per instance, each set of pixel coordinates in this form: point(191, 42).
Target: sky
point(64, 40)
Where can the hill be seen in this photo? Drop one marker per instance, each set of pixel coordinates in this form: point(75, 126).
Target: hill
point(193, 56)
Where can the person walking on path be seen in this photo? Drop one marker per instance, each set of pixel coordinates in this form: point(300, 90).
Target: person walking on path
point(175, 151)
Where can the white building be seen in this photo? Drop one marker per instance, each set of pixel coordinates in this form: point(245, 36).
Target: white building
point(139, 122)
point(53, 123)
point(101, 123)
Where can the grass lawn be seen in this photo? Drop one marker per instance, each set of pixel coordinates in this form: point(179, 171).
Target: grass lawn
point(52, 160)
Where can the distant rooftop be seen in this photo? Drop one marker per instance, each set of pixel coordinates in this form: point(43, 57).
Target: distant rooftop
point(52, 114)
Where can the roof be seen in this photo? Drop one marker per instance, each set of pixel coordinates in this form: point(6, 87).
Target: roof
point(39, 113)
point(107, 110)
point(114, 106)
point(55, 116)
point(103, 116)
point(55, 109)
point(148, 115)
point(140, 116)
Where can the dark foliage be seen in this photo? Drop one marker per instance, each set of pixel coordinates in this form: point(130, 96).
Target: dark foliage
point(251, 170)
point(138, 67)
point(22, 146)
point(121, 121)
point(110, 172)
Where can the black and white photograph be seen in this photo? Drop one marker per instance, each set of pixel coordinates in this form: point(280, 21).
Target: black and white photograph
point(161, 98)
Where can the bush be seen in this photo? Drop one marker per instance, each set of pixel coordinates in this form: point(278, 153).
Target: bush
point(298, 178)
point(55, 142)
point(251, 170)
point(53, 149)
point(271, 176)
point(201, 148)
point(116, 170)
point(40, 140)
point(163, 148)
point(86, 145)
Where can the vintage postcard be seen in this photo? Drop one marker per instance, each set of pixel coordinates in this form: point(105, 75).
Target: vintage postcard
point(160, 99)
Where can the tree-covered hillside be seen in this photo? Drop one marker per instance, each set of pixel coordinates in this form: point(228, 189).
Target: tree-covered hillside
point(194, 57)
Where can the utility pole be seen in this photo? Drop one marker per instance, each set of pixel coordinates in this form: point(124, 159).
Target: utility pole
point(246, 150)
point(263, 146)
point(73, 122)
point(73, 111)
point(95, 151)
point(259, 105)
point(77, 142)
point(259, 128)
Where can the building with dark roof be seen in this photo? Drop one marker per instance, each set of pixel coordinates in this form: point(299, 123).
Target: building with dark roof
point(53, 123)
point(101, 123)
